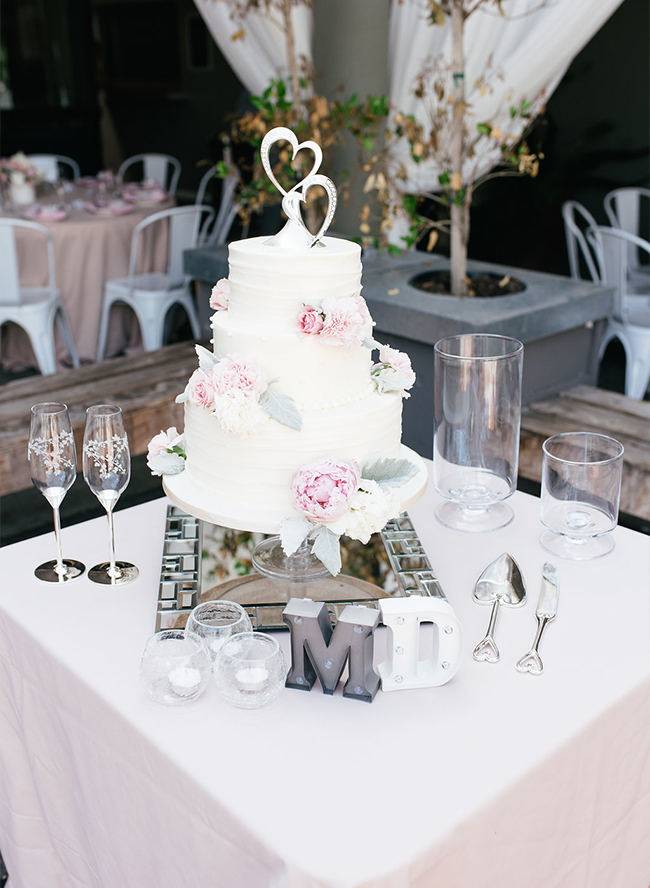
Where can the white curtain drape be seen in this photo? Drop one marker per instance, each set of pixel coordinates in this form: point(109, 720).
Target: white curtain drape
point(261, 53)
point(522, 53)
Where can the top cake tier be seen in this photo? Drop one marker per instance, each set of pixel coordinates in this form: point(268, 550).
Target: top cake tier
point(269, 285)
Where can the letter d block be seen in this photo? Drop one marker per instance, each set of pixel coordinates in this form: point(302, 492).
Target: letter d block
point(403, 667)
point(319, 650)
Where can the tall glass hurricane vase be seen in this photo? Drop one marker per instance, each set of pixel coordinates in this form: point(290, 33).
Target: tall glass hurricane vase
point(107, 469)
point(477, 414)
point(53, 465)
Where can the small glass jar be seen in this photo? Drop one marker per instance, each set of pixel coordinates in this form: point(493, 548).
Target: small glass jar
point(215, 621)
point(250, 670)
point(175, 667)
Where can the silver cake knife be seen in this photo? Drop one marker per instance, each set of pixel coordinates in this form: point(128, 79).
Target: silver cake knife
point(545, 612)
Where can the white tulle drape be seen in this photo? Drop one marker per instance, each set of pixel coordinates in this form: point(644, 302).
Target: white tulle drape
point(261, 53)
point(522, 53)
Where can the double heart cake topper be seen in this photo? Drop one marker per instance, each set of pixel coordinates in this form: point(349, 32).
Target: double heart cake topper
point(295, 232)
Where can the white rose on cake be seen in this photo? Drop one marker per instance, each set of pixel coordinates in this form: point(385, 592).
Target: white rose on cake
point(166, 453)
point(370, 509)
point(239, 412)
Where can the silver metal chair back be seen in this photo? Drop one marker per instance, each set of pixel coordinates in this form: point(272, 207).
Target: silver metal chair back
point(9, 273)
point(612, 249)
point(577, 246)
point(623, 208)
point(49, 165)
point(184, 228)
point(156, 167)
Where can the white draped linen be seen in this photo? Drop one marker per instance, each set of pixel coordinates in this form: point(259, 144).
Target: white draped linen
point(522, 53)
point(261, 53)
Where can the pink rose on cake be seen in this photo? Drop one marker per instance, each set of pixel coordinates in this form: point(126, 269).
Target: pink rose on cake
point(310, 321)
point(238, 373)
point(166, 453)
point(220, 295)
point(322, 489)
point(341, 320)
point(201, 389)
point(345, 320)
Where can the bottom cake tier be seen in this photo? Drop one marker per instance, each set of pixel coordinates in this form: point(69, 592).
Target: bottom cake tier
point(244, 483)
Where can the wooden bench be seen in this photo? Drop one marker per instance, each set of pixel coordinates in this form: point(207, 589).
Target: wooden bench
point(583, 408)
point(144, 386)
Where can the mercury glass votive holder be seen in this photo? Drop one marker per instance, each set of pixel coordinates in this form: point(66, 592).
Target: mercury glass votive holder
point(175, 667)
point(250, 670)
point(215, 621)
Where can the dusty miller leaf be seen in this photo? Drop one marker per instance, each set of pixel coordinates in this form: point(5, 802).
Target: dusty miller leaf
point(182, 398)
point(207, 360)
point(389, 472)
point(327, 548)
point(281, 408)
point(293, 531)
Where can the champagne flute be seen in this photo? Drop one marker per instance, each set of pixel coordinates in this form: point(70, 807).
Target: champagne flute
point(53, 464)
point(107, 469)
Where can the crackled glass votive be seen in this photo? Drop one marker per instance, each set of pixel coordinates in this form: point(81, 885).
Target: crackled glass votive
point(175, 667)
point(250, 670)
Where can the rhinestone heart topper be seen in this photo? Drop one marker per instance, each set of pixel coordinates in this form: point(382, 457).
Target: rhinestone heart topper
point(295, 232)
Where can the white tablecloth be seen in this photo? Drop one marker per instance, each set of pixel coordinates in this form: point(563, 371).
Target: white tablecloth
point(495, 780)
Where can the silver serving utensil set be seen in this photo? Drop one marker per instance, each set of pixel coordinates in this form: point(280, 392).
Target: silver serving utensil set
point(502, 583)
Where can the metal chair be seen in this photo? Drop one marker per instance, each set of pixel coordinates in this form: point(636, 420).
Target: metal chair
point(577, 220)
point(630, 325)
point(35, 309)
point(151, 295)
point(156, 167)
point(623, 208)
point(218, 234)
point(49, 165)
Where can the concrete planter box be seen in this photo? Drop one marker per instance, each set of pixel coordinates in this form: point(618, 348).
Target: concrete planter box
point(559, 320)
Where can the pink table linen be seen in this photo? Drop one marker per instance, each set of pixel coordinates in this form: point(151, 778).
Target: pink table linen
point(89, 249)
point(495, 779)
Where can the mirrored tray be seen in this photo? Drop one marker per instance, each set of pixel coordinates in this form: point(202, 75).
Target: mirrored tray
point(202, 561)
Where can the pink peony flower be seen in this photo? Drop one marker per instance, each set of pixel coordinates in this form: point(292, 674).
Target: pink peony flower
point(322, 490)
point(240, 373)
point(310, 321)
point(201, 389)
point(220, 296)
point(345, 320)
point(399, 362)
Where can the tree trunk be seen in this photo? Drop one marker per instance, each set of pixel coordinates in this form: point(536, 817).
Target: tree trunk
point(459, 214)
point(296, 99)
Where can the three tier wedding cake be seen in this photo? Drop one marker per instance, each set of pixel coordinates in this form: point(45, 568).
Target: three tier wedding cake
point(289, 424)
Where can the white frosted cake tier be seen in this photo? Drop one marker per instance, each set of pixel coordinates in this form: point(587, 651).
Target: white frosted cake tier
point(255, 471)
point(269, 285)
point(194, 499)
point(311, 372)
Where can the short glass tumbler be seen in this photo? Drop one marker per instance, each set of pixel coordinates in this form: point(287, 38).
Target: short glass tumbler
point(250, 670)
point(215, 621)
point(477, 415)
point(581, 488)
point(175, 667)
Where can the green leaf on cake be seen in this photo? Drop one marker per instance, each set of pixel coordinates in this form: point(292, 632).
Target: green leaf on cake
point(389, 472)
point(281, 408)
point(327, 548)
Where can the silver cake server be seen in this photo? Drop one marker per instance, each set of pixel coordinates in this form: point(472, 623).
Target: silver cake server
point(501, 583)
point(546, 611)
